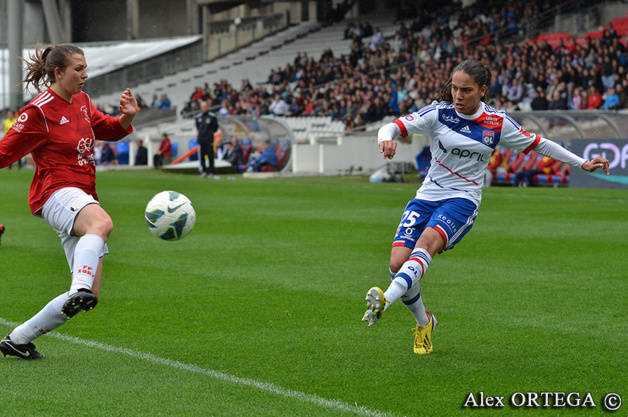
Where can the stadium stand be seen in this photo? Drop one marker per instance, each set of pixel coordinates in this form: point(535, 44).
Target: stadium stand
point(563, 70)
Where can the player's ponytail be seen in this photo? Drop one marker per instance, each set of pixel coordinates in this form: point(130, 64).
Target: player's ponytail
point(480, 73)
point(445, 92)
point(40, 64)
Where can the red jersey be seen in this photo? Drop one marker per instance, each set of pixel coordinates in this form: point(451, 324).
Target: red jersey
point(60, 135)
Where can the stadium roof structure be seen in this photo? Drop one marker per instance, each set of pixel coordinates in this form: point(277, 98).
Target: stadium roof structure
point(102, 58)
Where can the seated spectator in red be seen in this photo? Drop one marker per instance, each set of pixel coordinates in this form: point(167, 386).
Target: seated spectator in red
point(198, 94)
point(595, 98)
point(585, 99)
point(497, 164)
point(544, 165)
point(309, 108)
point(349, 122)
point(165, 149)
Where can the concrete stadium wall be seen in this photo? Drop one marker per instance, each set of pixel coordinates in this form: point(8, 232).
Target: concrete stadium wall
point(100, 20)
point(359, 152)
point(163, 18)
point(106, 20)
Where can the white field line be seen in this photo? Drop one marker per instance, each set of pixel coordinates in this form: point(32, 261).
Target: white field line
point(263, 386)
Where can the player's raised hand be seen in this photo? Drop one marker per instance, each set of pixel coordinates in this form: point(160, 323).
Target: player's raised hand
point(595, 163)
point(388, 148)
point(128, 104)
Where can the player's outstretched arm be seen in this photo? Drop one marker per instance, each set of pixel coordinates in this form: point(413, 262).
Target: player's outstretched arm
point(127, 108)
point(595, 163)
point(553, 150)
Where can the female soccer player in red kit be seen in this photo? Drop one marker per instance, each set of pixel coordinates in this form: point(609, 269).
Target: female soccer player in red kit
point(59, 127)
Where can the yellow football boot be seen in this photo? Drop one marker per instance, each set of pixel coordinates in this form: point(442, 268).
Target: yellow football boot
point(375, 303)
point(423, 337)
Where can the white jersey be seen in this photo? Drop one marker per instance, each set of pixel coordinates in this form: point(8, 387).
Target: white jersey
point(461, 146)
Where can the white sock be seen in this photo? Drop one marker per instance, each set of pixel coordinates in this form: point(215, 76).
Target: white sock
point(49, 318)
point(394, 292)
point(410, 273)
point(86, 258)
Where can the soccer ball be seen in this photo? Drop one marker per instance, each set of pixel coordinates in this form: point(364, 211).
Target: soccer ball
point(170, 215)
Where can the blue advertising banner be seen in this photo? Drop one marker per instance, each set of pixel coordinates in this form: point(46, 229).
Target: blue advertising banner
point(615, 150)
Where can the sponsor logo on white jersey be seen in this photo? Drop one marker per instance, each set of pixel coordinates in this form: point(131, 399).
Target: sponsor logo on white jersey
point(465, 129)
point(450, 119)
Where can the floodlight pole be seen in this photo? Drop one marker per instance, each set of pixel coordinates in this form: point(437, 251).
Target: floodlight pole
point(53, 21)
point(14, 32)
point(132, 19)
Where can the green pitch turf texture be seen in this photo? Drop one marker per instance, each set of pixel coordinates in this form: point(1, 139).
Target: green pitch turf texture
point(257, 312)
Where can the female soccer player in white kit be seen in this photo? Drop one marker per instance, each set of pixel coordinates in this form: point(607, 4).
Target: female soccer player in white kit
point(59, 127)
point(464, 131)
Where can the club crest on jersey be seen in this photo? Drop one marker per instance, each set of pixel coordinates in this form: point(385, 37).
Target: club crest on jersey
point(85, 113)
point(488, 137)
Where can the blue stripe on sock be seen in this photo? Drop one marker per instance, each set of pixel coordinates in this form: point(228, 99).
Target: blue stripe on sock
point(422, 255)
point(413, 300)
point(405, 277)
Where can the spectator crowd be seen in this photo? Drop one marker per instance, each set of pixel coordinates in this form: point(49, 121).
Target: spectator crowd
point(397, 75)
point(376, 80)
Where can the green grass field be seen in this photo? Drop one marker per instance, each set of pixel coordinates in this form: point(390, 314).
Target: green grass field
point(257, 312)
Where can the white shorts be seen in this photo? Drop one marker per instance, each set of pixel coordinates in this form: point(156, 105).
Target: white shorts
point(60, 212)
